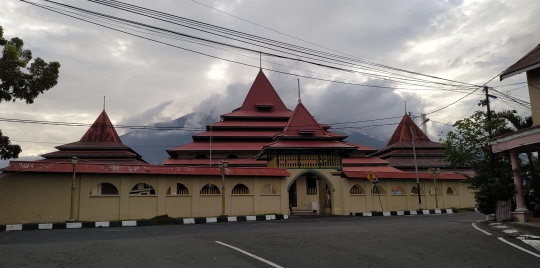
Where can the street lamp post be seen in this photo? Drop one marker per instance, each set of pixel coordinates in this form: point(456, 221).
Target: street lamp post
point(222, 167)
point(71, 213)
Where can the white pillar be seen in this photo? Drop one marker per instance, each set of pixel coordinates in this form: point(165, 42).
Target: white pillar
point(518, 182)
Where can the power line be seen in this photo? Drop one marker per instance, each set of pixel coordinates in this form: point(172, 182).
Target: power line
point(136, 9)
point(208, 55)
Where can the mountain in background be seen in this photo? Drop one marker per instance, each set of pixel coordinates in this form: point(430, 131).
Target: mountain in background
point(151, 144)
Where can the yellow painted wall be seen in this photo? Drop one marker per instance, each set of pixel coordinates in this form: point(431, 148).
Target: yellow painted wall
point(462, 197)
point(42, 198)
point(106, 208)
point(32, 198)
point(533, 78)
point(45, 198)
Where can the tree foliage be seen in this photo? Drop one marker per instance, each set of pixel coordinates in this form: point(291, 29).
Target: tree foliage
point(17, 81)
point(468, 146)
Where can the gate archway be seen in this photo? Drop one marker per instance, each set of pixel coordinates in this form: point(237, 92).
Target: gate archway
point(309, 187)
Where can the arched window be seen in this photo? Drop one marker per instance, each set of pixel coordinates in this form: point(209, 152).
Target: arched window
point(269, 189)
point(181, 189)
point(210, 189)
point(104, 188)
point(201, 156)
point(451, 190)
point(240, 189)
point(357, 189)
point(232, 156)
point(377, 189)
point(397, 189)
point(432, 191)
point(414, 190)
point(142, 189)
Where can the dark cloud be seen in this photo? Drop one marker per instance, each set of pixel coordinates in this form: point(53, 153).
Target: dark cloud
point(468, 41)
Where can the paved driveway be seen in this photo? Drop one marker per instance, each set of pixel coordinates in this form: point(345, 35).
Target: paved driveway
point(405, 241)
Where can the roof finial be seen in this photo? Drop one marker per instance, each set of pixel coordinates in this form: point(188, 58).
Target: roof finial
point(103, 103)
point(260, 60)
point(299, 100)
point(405, 107)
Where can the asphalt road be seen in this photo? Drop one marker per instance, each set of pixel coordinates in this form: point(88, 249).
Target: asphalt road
point(404, 241)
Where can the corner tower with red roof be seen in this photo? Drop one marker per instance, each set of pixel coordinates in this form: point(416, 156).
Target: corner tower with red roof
point(399, 150)
point(100, 144)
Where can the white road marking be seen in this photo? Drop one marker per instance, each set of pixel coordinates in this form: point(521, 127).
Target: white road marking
point(476, 227)
point(533, 243)
point(251, 255)
point(518, 247)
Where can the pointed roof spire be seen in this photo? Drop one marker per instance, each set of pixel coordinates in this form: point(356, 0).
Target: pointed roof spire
point(299, 99)
point(403, 132)
point(302, 123)
point(262, 93)
point(101, 131)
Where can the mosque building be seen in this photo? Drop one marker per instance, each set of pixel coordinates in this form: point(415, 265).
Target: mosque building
point(270, 158)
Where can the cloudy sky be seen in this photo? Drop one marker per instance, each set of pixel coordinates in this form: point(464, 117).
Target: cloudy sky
point(145, 82)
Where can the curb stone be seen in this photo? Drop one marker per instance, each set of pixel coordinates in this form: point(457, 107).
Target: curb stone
point(141, 223)
point(405, 212)
point(186, 221)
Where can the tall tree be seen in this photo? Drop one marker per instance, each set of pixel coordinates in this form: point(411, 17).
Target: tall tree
point(468, 146)
point(19, 82)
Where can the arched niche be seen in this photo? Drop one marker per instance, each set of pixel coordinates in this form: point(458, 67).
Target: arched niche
point(240, 189)
point(181, 189)
point(142, 189)
point(414, 190)
point(451, 190)
point(378, 190)
point(269, 189)
point(357, 189)
point(209, 189)
point(398, 189)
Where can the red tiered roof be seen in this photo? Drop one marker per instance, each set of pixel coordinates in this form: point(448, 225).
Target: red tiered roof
point(101, 131)
point(301, 123)
point(262, 122)
point(304, 132)
point(244, 131)
point(399, 151)
point(100, 143)
point(403, 132)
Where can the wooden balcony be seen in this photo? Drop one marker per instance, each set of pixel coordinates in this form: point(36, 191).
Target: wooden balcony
point(305, 161)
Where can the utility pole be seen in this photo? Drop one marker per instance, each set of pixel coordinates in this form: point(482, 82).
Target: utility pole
point(222, 169)
point(416, 169)
point(434, 173)
point(72, 208)
point(490, 131)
